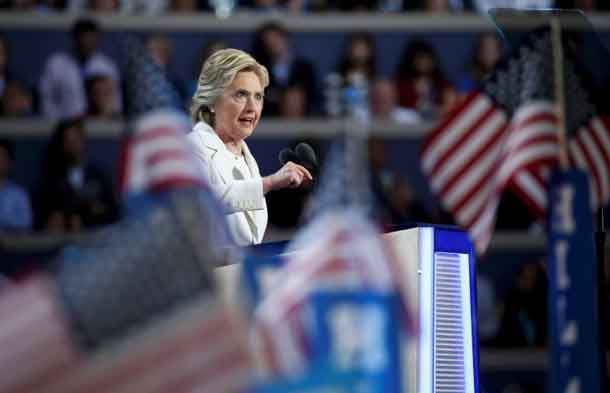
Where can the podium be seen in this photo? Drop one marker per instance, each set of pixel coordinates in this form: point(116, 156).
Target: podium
point(437, 276)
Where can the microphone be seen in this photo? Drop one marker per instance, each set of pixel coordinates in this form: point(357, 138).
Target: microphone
point(288, 155)
point(306, 156)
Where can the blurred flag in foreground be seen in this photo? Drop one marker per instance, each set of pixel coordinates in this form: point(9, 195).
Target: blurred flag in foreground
point(137, 311)
point(338, 250)
point(154, 155)
point(136, 308)
point(505, 135)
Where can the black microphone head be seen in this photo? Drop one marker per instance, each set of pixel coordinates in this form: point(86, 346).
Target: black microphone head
point(306, 155)
point(288, 155)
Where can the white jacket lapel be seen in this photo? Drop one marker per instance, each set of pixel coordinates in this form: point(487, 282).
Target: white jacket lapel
point(221, 162)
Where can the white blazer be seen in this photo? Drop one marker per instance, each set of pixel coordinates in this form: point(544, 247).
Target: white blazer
point(244, 201)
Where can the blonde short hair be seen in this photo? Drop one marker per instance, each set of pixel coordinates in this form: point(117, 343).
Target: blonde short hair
point(217, 73)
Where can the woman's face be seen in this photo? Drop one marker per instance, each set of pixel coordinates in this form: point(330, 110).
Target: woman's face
point(238, 109)
point(73, 143)
point(489, 52)
point(424, 63)
point(360, 50)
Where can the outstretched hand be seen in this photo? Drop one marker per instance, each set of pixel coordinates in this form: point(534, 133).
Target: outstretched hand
point(290, 175)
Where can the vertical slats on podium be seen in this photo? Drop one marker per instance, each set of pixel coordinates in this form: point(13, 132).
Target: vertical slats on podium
point(449, 359)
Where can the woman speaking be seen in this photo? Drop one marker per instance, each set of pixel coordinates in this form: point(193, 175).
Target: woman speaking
point(226, 108)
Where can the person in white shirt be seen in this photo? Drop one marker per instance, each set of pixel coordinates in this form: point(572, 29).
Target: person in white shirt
point(226, 108)
point(62, 85)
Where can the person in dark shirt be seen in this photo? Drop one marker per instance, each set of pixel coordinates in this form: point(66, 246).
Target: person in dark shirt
point(421, 83)
point(272, 48)
point(68, 175)
point(524, 319)
point(358, 60)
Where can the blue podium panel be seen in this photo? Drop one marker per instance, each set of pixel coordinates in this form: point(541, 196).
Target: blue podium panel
point(447, 346)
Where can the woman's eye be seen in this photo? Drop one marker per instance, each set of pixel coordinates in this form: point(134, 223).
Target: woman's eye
point(259, 97)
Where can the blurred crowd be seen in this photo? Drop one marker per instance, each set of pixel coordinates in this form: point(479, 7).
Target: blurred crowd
point(292, 6)
point(86, 82)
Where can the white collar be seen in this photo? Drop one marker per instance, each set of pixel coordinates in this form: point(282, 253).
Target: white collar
point(212, 141)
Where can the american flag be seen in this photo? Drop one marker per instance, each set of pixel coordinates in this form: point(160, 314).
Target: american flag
point(338, 250)
point(154, 156)
point(135, 309)
point(200, 348)
point(34, 337)
point(505, 135)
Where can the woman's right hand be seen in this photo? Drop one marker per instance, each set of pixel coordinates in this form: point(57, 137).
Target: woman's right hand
point(290, 175)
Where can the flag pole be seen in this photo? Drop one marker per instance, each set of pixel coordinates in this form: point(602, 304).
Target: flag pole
point(600, 233)
point(559, 91)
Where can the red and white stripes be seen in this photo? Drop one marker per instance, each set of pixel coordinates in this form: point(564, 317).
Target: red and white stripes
point(157, 155)
point(477, 151)
point(35, 347)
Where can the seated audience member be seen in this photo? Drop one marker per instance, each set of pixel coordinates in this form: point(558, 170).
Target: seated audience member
point(395, 199)
point(273, 49)
point(404, 202)
point(294, 103)
point(354, 5)
point(60, 217)
point(94, 5)
point(104, 5)
point(358, 59)
point(101, 97)
point(432, 6)
point(51, 5)
point(15, 209)
point(524, 318)
point(488, 310)
point(441, 6)
point(486, 55)
point(188, 6)
point(17, 100)
point(271, 5)
point(421, 83)
point(160, 48)
point(62, 85)
point(68, 175)
point(146, 7)
point(5, 74)
point(19, 5)
point(384, 104)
